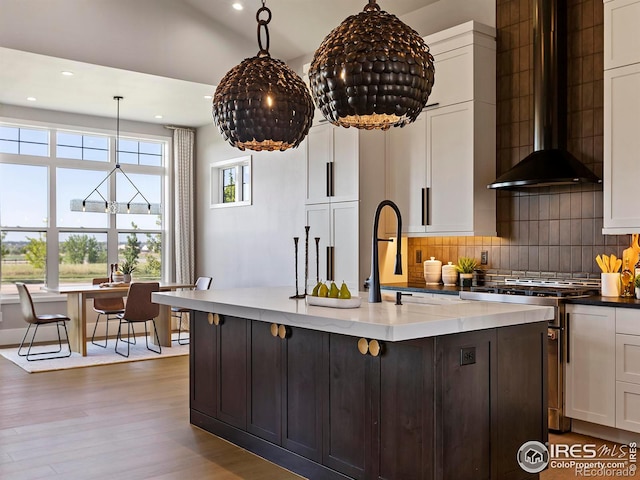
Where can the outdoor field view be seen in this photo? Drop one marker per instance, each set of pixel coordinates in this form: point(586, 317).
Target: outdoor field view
point(82, 257)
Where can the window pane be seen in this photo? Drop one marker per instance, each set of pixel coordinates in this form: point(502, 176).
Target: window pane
point(152, 160)
point(69, 152)
point(129, 158)
point(34, 136)
point(228, 185)
point(83, 257)
point(144, 250)
point(23, 195)
point(69, 139)
point(9, 133)
point(85, 147)
point(151, 187)
point(34, 149)
point(128, 146)
point(151, 148)
point(73, 184)
point(24, 256)
point(9, 146)
point(246, 179)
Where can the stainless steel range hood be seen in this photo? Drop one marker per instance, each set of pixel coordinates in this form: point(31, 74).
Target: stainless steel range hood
point(550, 163)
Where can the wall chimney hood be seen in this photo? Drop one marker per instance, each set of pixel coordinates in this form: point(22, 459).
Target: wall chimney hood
point(550, 163)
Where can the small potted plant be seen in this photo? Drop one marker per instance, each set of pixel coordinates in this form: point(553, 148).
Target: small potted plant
point(466, 266)
point(637, 284)
point(127, 268)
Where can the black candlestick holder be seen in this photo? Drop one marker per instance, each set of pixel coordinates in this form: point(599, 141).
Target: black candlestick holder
point(295, 248)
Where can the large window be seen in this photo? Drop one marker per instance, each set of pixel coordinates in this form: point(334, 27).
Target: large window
point(45, 238)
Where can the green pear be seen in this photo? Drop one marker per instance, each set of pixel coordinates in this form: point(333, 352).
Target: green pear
point(333, 290)
point(314, 292)
point(345, 294)
point(323, 291)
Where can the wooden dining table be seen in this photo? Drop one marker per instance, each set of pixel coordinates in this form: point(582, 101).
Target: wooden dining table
point(77, 296)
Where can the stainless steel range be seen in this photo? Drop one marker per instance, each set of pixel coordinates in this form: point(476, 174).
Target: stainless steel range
point(544, 292)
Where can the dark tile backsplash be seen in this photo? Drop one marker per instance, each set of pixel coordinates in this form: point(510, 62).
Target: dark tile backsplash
point(552, 230)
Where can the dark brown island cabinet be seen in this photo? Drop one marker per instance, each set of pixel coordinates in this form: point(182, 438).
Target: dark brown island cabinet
point(450, 407)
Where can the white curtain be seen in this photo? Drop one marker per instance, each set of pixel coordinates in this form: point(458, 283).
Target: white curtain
point(183, 141)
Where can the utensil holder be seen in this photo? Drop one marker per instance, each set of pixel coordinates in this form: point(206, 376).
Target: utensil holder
point(610, 284)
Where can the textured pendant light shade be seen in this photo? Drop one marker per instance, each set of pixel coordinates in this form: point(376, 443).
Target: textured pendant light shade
point(262, 104)
point(372, 71)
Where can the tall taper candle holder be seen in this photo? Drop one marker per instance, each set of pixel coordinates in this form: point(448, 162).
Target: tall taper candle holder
point(295, 248)
point(306, 258)
point(317, 239)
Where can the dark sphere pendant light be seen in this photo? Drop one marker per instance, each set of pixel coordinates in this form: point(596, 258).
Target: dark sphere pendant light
point(261, 104)
point(372, 72)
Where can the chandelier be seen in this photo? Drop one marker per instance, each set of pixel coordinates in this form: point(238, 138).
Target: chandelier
point(372, 72)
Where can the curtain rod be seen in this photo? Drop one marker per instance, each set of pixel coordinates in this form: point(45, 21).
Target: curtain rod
point(177, 127)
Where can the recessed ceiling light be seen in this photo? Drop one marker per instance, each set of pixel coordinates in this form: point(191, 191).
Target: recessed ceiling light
point(159, 116)
point(208, 97)
point(67, 73)
point(237, 6)
point(31, 99)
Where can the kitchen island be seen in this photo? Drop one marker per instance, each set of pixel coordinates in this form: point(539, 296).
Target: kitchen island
point(446, 390)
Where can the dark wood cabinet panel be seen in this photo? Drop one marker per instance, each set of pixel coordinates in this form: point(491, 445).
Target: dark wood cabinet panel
point(302, 393)
point(463, 405)
point(232, 371)
point(347, 408)
point(521, 388)
point(265, 383)
point(406, 410)
point(203, 381)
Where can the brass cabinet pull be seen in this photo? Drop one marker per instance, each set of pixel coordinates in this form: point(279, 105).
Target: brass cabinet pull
point(213, 319)
point(274, 329)
point(375, 348)
point(363, 346)
point(282, 332)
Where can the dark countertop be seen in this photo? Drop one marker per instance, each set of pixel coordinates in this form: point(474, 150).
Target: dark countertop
point(594, 300)
point(598, 301)
point(423, 287)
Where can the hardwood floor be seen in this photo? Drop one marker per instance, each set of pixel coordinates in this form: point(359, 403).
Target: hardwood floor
point(128, 421)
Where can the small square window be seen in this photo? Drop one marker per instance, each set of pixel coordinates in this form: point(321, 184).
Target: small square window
point(230, 182)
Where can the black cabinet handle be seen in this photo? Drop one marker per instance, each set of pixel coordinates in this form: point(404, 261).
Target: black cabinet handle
point(328, 178)
point(425, 206)
point(332, 185)
point(331, 264)
point(568, 330)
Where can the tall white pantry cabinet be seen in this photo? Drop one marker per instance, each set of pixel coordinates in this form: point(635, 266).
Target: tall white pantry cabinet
point(621, 116)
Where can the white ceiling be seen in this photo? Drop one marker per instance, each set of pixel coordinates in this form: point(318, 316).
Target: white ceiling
point(296, 30)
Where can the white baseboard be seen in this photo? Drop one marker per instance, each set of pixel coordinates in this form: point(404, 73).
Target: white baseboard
point(605, 433)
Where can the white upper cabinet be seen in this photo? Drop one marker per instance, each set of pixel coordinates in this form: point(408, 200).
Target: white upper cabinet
point(621, 38)
point(332, 164)
point(438, 168)
point(621, 116)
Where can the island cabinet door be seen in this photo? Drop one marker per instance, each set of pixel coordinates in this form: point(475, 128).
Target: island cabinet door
point(203, 379)
point(265, 382)
point(232, 371)
point(463, 409)
point(348, 405)
point(302, 392)
point(406, 422)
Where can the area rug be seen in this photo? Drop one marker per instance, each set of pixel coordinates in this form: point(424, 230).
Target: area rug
point(95, 356)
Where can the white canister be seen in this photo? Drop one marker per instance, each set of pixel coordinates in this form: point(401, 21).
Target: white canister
point(449, 274)
point(432, 271)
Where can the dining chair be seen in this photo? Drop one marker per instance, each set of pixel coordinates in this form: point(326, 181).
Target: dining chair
point(202, 283)
point(139, 309)
point(110, 307)
point(30, 316)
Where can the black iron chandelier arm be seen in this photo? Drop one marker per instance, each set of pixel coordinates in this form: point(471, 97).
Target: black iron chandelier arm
point(263, 29)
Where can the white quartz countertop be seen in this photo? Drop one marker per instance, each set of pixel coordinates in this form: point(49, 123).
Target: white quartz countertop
point(382, 321)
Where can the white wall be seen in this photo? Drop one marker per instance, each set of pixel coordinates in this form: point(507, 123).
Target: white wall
point(251, 245)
